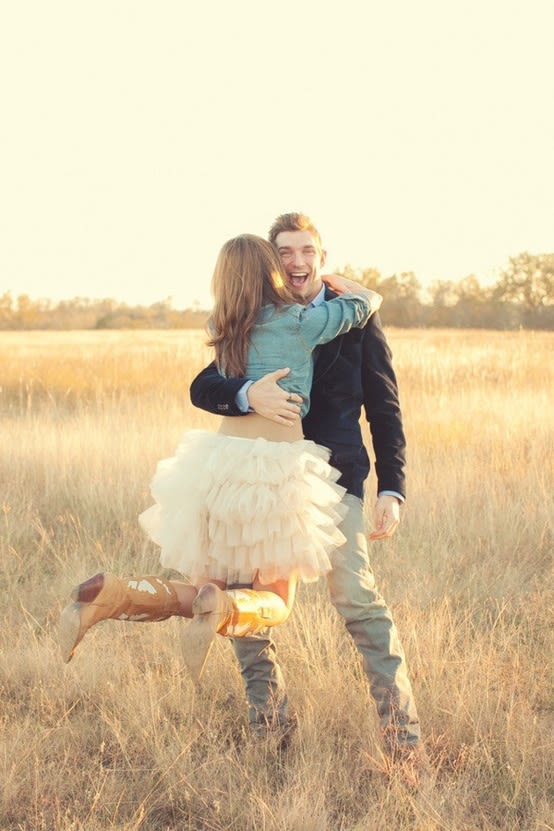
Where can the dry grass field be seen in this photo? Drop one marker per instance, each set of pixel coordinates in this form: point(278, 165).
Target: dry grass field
point(119, 739)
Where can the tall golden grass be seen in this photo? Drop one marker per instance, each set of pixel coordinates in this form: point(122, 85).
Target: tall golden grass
point(120, 739)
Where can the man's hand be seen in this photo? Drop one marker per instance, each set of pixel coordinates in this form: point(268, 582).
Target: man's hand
point(386, 517)
point(271, 401)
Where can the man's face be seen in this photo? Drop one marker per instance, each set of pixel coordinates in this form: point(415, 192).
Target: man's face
point(302, 261)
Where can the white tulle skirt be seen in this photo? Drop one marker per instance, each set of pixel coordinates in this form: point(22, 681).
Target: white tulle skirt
point(235, 506)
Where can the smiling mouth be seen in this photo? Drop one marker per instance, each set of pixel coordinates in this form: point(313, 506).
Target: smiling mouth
point(298, 279)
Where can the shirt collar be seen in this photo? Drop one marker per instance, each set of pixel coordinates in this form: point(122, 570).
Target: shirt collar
point(319, 298)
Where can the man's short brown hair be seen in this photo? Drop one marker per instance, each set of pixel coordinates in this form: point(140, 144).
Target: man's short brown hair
point(294, 222)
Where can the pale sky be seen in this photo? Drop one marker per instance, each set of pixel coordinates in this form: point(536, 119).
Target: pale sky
point(136, 137)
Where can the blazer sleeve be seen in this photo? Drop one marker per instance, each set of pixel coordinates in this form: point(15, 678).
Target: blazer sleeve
point(382, 408)
point(212, 392)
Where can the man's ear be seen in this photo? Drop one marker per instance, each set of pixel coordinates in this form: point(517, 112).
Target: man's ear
point(323, 257)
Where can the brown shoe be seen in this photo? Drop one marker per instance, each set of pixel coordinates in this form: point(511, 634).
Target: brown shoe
point(276, 731)
point(409, 765)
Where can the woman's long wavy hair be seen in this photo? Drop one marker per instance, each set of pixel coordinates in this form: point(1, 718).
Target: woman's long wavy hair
point(248, 275)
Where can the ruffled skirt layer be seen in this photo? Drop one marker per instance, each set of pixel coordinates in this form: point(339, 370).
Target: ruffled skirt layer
point(233, 506)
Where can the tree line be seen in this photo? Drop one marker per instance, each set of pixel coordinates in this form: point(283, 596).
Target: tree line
point(22, 312)
point(523, 297)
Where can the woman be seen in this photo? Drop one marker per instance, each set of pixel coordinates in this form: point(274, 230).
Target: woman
point(253, 504)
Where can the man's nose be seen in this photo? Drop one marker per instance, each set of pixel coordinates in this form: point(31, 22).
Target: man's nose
point(298, 258)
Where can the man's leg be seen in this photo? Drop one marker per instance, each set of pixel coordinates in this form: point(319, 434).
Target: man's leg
point(233, 613)
point(369, 621)
point(268, 704)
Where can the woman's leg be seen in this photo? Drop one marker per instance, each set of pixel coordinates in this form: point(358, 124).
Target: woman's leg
point(241, 612)
point(107, 597)
point(285, 589)
point(236, 613)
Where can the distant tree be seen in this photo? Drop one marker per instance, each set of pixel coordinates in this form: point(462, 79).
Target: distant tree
point(27, 311)
point(401, 292)
point(368, 277)
point(444, 293)
point(443, 296)
point(402, 305)
point(528, 281)
point(6, 311)
point(470, 309)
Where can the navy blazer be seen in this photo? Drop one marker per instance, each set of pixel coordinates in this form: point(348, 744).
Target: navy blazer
point(352, 371)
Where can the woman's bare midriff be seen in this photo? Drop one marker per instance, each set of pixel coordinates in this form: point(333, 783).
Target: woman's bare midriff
point(254, 426)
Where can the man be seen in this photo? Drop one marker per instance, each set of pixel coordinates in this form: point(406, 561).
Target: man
point(352, 371)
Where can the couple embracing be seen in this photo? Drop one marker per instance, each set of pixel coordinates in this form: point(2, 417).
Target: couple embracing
point(276, 495)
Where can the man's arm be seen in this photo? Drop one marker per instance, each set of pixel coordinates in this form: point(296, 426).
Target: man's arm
point(382, 408)
point(212, 392)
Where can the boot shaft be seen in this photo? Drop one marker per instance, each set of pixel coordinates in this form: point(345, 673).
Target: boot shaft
point(105, 597)
point(252, 612)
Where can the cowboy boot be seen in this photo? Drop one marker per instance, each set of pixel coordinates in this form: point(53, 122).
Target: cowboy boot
point(105, 597)
point(236, 613)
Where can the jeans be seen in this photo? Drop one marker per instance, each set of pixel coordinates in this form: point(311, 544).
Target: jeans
point(368, 620)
